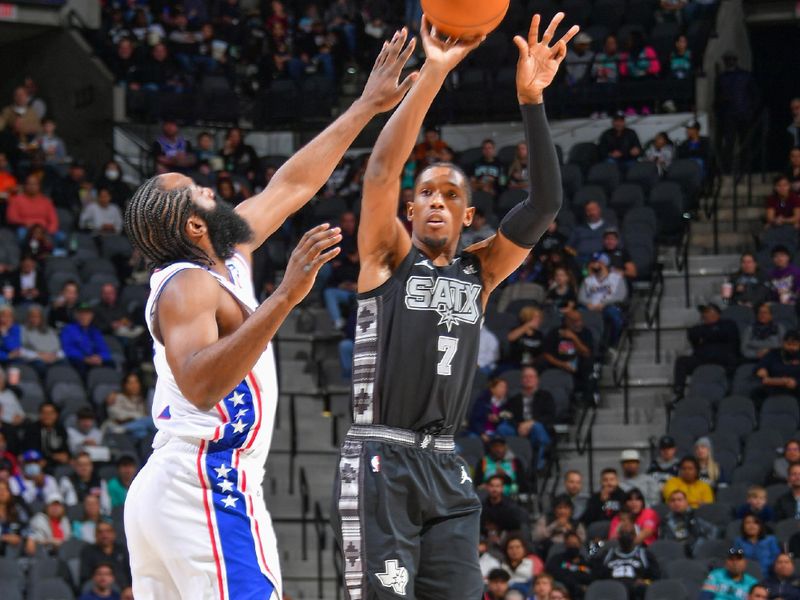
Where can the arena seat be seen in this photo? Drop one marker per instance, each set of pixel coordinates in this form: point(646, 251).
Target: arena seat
point(666, 551)
point(645, 173)
point(666, 589)
point(606, 589)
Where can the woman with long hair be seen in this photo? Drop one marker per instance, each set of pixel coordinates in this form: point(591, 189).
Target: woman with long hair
point(554, 526)
point(757, 545)
point(710, 471)
point(562, 292)
point(13, 525)
point(127, 409)
point(519, 564)
point(51, 528)
point(645, 519)
point(84, 529)
point(518, 170)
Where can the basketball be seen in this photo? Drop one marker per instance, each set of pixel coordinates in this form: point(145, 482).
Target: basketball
point(464, 18)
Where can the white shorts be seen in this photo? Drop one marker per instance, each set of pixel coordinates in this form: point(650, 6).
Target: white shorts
point(198, 529)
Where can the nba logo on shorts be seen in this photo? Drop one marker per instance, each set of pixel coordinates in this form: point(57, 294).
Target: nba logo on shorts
point(375, 463)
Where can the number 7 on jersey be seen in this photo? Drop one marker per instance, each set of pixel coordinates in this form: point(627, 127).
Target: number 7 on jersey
point(448, 345)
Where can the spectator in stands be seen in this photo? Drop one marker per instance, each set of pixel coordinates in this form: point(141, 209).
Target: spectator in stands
point(47, 437)
point(573, 488)
point(83, 482)
point(11, 412)
point(159, 73)
point(105, 551)
point(755, 542)
point(605, 68)
point(794, 127)
point(783, 205)
point(526, 339)
point(226, 190)
point(570, 567)
point(748, 286)
point(28, 281)
point(619, 258)
point(431, 149)
point(19, 116)
point(51, 528)
point(605, 292)
point(101, 216)
point(787, 506)
point(579, 59)
point(83, 343)
point(85, 527)
point(487, 560)
point(782, 581)
point(791, 456)
point(110, 317)
point(758, 592)
point(634, 478)
point(9, 465)
point(238, 157)
point(534, 413)
point(119, 484)
point(710, 471)
point(500, 514)
point(562, 291)
point(715, 341)
point(518, 169)
point(763, 335)
point(553, 528)
point(30, 208)
point(587, 238)
point(731, 581)
point(8, 183)
point(756, 504)
point(688, 481)
point(569, 348)
point(695, 146)
point(779, 369)
point(41, 346)
point(497, 585)
point(542, 586)
point(479, 229)
point(682, 525)
point(341, 290)
point(75, 190)
point(698, 9)
point(85, 436)
point(680, 59)
point(490, 413)
point(519, 565)
point(620, 144)
point(641, 60)
point(645, 519)
point(606, 503)
point(38, 243)
point(111, 179)
point(670, 10)
point(500, 461)
point(103, 584)
point(784, 279)
point(172, 151)
point(488, 173)
point(488, 351)
point(793, 171)
point(660, 152)
point(629, 562)
point(735, 101)
point(55, 152)
point(13, 525)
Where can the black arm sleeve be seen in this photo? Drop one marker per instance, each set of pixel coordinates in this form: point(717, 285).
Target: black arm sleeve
point(526, 222)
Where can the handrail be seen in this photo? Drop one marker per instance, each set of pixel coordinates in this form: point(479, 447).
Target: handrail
point(305, 507)
point(712, 195)
point(742, 160)
point(652, 307)
point(619, 370)
point(584, 443)
point(682, 255)
point(321, 529)
point(338, 561)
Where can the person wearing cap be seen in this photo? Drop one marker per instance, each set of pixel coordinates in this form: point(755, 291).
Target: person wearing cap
point(499, 461)
point(83, 343)
point(34, 485)
point(579, 59)
point(682, 525)
point(497, 585)
point(619, 144)
point(46, 435)
point(605, 292)
point(688, 481)
point(784, 278)
point(587, 238)
point(779, 370)
point(619, 257)
point(632, 477)
point(783, 205)
point(730, 582)
point(715, 341)
point(51, 528)
point(665, 464)
point(695, 146)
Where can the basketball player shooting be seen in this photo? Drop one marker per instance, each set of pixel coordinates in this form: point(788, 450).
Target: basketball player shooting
point(406, 514)
point(195, 519)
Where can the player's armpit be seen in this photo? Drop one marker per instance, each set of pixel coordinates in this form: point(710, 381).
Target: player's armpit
point(499, 258)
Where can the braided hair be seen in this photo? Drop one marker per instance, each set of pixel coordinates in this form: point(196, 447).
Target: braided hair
point(155, 221)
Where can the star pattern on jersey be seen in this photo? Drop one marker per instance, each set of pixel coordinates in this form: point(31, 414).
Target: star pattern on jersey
point(229, 501)
point(226, 485)
point(222, 471)
point(239, 426)
point(447, 318)
point(242, 412)
point(237, 398)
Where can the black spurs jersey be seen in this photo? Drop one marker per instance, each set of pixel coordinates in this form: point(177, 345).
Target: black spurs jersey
point(416, 345)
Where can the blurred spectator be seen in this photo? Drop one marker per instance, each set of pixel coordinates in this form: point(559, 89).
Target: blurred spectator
point(710, 471)
point(206, 152)
point(55, 152)
point(688, 481)
point(519, 565)
point(680, 59)
point(14, 538)
point(562, 293)
point(755, 542)
point(159, 73)
point(41, 346)
point(226, 189)
point(123, 64)
point(487, 560)
point(747, 286)
point(500, 514)
point(343, 284)
point(569, 348)
point(20, 115)
point(783, 206)
point(479, 229)
point(682, 525)
point(9, 466)
point(11, 412)
point(793, 171)
point(85, 436)
point(38, 243)
point(570, 567)
point(431, 149)
point(101, 216)
point(74, 191)
point(660, 152)
point(35, 100)
point(488, 174)
point(554, 528)
point(518, 169)
point(620, 144)
point(543, 585)
point(779, 369)
point(526, 339)
point(500, 461)
point(534, 413)
point(8, 183)
point(110, 317)
point(641, 59)
point(784, 278)
point(787, 506)
point(645, 519)
point(105, 550)
point(119, 484)
point(172, 151)
point(579, 59)
point(756, 504)
point(488, 351)
point(607, 502)
point(634, 478)
point(619, 257)
point(791, 456)
point(715, 341)
point(497, 585)
point(111, 179)
point(238, 157)
point(628, 562)
point(85, 527)
point(794, 127)
point(51, 528)
point(698, 9)
point(695, 146)
point(83, 482)
point(729, 582)
point(670, 10)
point(605, 292)
point(782, 581)
point(490, 413)
point(587, 238)
point(763, 335)
point(28, 282)
point(103, 584)
point(735, 102)
point(83, 343)
point(605, 68)
point(573, 488)
point(46, 437)
point(559, 592)
point(31, 207)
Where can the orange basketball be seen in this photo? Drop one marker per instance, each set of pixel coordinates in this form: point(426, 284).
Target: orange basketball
point(464, 18)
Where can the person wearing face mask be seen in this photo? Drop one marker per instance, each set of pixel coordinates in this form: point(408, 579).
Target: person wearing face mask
point(628, 562)
point(111, 179)
point(34, 485)
point(571, 567)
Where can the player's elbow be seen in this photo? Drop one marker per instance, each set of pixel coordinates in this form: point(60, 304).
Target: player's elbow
point(200, 394)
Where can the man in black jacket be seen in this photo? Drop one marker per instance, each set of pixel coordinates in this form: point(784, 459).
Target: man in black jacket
point(783, 583)
point(620, 144)
point(695, 146)
point(570, 567)
point(500, 514)
point(681, 524)
point(534, 413)
point(787, 506)
point(715, 341)
point(605, 504)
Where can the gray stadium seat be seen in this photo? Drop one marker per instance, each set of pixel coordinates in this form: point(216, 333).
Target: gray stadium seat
point(598, 530)
point(571, 179)
point(59, 373)
point(666, 589)
point(711, 550)
point(625, 197)
point(744, 380)
point(51, 589)
point(644, 173)
point(785, 529)
point(733, 494)
point(586, 194)
point(752, 474)
point(784, 314)
point(604, 174)
point(606, 589)
point(521, 447)
point(709, 381)
point(666, 551)
point(741, 315)
point(780, 413)
point(688, 174)
point(718, 513)
point(584, 154)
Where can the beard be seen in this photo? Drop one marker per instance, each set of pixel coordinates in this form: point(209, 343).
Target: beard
point(226, 229)
point(435, 243)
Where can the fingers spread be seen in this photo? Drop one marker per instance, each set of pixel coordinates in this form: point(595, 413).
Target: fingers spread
point(533, 33)
point(551, 29)
point(522, 45)
point(327, 256)
point(406, 54)
point(573, 31)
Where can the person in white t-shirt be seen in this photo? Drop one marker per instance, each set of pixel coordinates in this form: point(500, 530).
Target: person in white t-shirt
point(102, 216)
point(605, 291)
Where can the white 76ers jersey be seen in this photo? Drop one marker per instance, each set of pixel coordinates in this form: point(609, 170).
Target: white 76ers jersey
point(244, 418)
